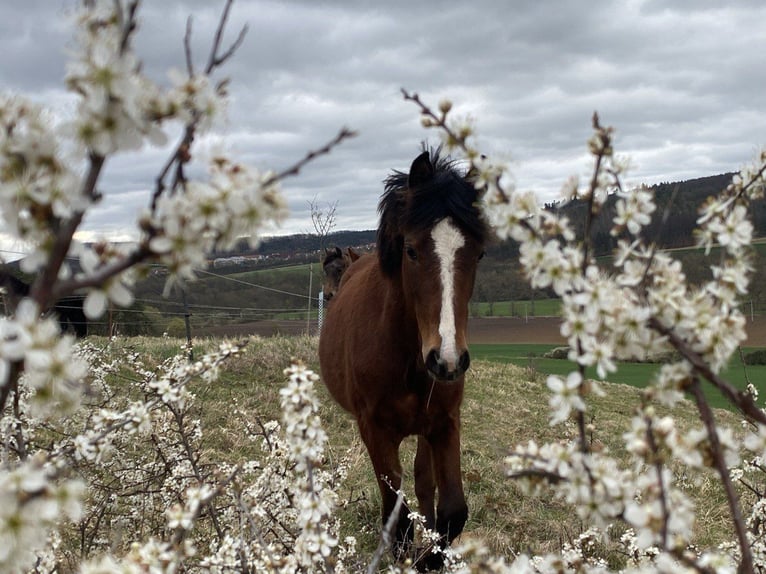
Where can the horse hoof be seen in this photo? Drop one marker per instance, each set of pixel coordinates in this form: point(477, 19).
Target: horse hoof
point(428, 560)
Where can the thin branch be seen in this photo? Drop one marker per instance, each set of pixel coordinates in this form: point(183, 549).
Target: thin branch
point(214, 59)
point(741, 399)
point(128, 26)
point(708, 419)
point(233, 48)
point(142, 253)
point(385, 536)
point(437, 121)
point(657, 462)
point(181, 154)
point(187, 48)
point(295, 169)
point(180, 534)
point(97, 279)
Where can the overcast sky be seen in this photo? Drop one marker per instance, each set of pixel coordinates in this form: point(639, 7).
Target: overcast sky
point(682, 82)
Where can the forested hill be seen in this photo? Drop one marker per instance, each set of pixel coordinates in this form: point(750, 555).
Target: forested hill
point(680, 200)
point(305, 243)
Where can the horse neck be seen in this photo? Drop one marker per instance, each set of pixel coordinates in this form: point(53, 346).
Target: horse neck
point(399, 309)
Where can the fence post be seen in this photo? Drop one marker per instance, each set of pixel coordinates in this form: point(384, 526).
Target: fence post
point(320, 310)
point(187, 323)
point(308, 311)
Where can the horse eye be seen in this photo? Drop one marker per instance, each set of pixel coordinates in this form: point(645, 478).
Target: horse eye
point(411, 253)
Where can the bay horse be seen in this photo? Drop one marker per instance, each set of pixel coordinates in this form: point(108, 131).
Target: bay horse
point(334, 265)
point(393, 348)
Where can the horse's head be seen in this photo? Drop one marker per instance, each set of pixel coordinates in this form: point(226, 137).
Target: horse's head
point(431, 237)
point(333, 266)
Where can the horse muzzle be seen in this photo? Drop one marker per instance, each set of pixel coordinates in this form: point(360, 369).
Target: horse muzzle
point(447, 371)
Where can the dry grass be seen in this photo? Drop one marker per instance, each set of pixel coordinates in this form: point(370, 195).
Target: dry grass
point(505, 405)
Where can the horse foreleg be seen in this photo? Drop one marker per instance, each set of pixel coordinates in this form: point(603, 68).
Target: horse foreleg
point(425, 483)
point(451, 511)
point(384, 454)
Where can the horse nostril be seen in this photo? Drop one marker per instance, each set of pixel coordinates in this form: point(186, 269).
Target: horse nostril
point(464, 362)
point(433, 362)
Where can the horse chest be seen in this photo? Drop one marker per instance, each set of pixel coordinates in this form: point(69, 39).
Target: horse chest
point(419, 411)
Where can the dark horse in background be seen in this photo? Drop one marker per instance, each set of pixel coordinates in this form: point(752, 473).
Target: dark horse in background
point(334, 265)
point(68, 309)
point(393, 348)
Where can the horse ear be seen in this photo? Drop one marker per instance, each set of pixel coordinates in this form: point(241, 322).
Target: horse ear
point(353, 255)
point(421, 170)
point(330, 253)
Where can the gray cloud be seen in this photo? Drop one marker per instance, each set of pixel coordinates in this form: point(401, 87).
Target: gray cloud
point(680, 81)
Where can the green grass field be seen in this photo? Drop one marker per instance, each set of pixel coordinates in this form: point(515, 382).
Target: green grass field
point(633, 374)
point(521, 308)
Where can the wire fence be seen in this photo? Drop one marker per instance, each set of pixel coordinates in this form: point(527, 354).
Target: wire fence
point(155, 315)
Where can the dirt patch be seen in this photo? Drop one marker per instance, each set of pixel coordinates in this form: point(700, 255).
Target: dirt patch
point(515, 330)
point(483, 330)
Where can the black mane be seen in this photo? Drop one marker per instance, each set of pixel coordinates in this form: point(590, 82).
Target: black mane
point(447, 193)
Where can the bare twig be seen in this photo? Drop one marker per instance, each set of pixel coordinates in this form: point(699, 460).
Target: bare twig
point(129, 25)
point(708, 419)
point(386, 535)
point(181, 154)
point(187, 48)
point(741, 399)
point(214, 60)
point(295, 169)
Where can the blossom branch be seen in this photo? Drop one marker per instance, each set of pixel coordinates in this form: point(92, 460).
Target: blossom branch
point(182, 153)
point(741, 399)
point(295, 169)
point(708, 419)
point(43, 287)
point(657, 463)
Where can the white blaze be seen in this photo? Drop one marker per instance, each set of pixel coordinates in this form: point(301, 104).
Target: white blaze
point(447, 240)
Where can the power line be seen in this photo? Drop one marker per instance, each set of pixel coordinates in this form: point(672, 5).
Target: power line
point(227, 278)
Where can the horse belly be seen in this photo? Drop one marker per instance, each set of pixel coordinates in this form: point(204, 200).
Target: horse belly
point(354, 346)
point(339, 345)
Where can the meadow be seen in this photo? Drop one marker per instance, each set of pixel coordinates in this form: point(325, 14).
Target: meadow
point(505, 404)
point(532, 357)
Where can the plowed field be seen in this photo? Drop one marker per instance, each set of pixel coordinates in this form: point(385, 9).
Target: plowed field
point(484, 330)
